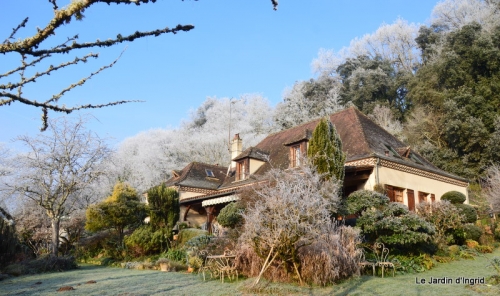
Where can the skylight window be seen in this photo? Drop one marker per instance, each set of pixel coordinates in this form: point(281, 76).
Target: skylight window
point(209, 173)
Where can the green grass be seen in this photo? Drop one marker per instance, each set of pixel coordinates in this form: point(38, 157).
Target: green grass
point(117, 281)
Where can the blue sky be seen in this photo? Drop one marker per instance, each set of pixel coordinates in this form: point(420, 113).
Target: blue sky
point(237, 47)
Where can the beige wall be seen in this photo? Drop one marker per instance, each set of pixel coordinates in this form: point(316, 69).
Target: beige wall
point(410, 181)
point(255, 165)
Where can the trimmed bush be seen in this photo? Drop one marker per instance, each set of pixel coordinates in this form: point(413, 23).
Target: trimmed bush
point(472, 231)
point(395, 226)
point(469, 212)
point(454, 197)
point(230, 215)
point(361, 200)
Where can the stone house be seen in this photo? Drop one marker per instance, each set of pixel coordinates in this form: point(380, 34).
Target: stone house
point(375, 158)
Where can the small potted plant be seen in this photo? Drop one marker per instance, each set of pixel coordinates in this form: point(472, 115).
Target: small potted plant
point(164, 264)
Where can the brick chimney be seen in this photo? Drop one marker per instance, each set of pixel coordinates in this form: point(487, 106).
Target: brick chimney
point(236, 148)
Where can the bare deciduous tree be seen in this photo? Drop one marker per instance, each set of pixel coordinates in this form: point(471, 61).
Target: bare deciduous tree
point(292, 211)
point(57, 168)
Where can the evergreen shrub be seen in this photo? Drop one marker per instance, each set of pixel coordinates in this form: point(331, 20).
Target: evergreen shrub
point(469, 212)
point(230, 215)
point(472, 231)
point(454, 197)
point(145, 241)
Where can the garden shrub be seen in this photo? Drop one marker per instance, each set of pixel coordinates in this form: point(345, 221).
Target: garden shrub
point(484, 249)
point(454, 197)
point(447, 221)
point(472, 231)
point(469, 212)
point(361, 200)
point(230, 215)
point(42, 264)
point(413, 264)
point(199, 242)
point(454, 250)
point(178, 255)
point(186, 234)
point(329, 259)
point(471, 244)
point(144, 241)
point(395, 226)
point(195, 262)
point(486, 239)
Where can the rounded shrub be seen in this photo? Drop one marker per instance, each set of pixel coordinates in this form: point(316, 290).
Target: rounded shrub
point(145, 241)
point(472, 231)
point(230, 215)
point(361, 200)
point(469, 212)
point(454, 197)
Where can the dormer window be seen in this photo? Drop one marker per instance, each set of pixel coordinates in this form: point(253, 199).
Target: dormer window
point(298, 151)
point(242, 169)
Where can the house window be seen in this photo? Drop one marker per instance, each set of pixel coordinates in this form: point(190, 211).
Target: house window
point(433, 198)
point(398, 195)
point(295, 155)
point(241, 170)
point(209, 173)
point(422, 197)
point(395, 194)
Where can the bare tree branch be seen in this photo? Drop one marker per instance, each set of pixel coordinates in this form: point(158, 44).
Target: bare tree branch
point(11, 88)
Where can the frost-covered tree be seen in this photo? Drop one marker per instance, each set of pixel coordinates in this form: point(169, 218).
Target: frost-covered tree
point(383, 116)
point(57, 168)
point(308, 100)
point(148, 158)
point(395, 43)
point(291, 211)
point(454, 14)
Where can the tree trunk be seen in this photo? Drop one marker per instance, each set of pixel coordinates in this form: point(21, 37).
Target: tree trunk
point(55, 237)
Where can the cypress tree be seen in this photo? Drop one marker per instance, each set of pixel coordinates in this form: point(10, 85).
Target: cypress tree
point(325, 151)
point(164, 207)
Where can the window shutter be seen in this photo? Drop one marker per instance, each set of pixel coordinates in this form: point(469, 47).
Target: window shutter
point(433, 197)
point(390, 192)
point(411, 200)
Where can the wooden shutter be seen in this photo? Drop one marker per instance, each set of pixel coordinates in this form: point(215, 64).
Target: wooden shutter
point(390, 192)
point(411, 200)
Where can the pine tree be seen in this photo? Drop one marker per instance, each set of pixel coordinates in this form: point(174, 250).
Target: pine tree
point(325, 151)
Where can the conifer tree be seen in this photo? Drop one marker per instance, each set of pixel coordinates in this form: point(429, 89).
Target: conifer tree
point(164, 206)
point(325, 151)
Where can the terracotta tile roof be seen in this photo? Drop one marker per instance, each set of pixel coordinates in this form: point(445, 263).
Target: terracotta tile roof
point(196, 174)
point(361, 138)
